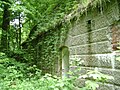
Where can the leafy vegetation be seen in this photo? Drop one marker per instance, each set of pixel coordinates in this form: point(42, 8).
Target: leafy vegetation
point(19, 76)
point(31, 32)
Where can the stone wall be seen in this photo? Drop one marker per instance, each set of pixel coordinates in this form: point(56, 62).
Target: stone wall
point(91, 40)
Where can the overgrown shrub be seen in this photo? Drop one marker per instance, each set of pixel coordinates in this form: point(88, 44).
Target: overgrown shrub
point(19, 76)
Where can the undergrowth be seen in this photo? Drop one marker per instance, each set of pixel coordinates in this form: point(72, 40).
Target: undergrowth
point(20, 76)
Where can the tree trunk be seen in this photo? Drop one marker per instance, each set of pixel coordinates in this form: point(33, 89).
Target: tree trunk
point(5, 28)
point(19, 31)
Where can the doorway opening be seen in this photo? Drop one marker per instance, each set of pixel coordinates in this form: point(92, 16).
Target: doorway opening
point(65, 61)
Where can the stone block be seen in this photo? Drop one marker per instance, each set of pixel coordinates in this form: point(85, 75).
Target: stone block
point(102, 34)
point(78, 29)
point(93, 48)
point(111, 72)
point(109, 15)
point(79, 39)
point(102, 86)
point(96, 60)
point(106, 87)
point(100, 22)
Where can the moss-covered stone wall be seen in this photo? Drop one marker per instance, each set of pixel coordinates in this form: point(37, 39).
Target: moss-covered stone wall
point(90, 40)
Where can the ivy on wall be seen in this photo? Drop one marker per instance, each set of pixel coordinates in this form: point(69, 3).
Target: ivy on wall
point(45, 54)
point(44, 44)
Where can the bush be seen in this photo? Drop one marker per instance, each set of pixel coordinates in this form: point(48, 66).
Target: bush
point(19, 76)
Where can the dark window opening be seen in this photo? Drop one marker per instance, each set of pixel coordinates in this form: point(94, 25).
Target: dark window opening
point(89, 25)
point(89, 34)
